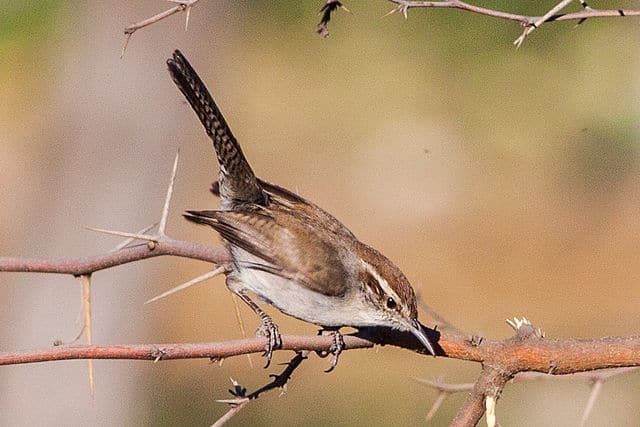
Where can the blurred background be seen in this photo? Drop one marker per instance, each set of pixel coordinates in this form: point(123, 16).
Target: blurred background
point(504, 182)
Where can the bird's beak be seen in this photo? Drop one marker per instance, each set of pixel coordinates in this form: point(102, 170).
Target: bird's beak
point(418, 332)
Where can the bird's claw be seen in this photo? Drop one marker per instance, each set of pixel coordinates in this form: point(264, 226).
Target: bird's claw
point(269, 330)
point(335, 349)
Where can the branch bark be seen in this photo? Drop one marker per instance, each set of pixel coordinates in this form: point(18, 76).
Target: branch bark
point(557, 357)
point(88, 265)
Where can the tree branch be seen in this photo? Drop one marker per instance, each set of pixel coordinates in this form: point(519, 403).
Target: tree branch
point(158, 352)
point(88, 265)
point(529, 22)
point(557, 357)
point(403, 6)
point(242, 399)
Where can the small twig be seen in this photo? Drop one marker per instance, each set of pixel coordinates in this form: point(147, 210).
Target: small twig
point(444, 391)
point(440, 320)
point(218, 271)
point(129, 240)
point(162, 228)
point(230, 414)
point(551, 16)
point(86, 303)
point(182, 5)
point(134, 236)
point(243, 332)
point(446, 387)
point(442, 396)
point(593, 396)
point(532, 26)
point(279, 381)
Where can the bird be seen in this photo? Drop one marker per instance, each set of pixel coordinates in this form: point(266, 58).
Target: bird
point(289, 252)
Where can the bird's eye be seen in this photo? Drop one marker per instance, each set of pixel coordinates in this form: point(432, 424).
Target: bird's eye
point(391, 303)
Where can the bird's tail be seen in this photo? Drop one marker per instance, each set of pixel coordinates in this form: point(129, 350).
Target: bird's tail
point(238, 183)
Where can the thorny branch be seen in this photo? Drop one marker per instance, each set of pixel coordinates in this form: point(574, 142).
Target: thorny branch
point(242, 399)
point(526, 351)
point(597, 379)
point(529, 22)
point(181, 6)
point(501, 360)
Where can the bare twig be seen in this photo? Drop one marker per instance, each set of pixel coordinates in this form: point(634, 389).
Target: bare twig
point(162, 228)
point(523, 19)
point(532, 26)
point(87, 265)
point(279, 381)
point(512, 355)
point(159, 352)
point(218, 271)
point(529, 22)
point(86, 304)
point(441, 322)
point(598, 378)
point(129, 240)
point(134, 236)
point(487, 389)
point(444, 391)
point(181, 6)
point(593, 396)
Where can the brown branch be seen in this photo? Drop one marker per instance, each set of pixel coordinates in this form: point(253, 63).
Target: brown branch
point(527, 351)
point(530, 22)
point(182, 6)
point(158, 352)
point(501, 360)
point(597, 378)
point(88, 265)
point(403, 6)
point(241, 400)
point(557, 357)
point(489, 385)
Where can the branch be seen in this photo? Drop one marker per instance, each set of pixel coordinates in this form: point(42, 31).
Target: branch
point(158, 352)
point(557, 357)
point(529, 22)
point(182, 6)
point(88, 265)
point(242, 399)
point(597, 378)
point(403, 6)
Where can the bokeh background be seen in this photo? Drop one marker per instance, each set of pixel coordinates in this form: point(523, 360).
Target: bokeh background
point(503, 182)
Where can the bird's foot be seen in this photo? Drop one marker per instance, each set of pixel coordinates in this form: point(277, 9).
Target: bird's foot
point(335, 349)
point(269, 330)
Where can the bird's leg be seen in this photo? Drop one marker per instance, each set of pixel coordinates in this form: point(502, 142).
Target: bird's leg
point(267, 329)
point(336, 347)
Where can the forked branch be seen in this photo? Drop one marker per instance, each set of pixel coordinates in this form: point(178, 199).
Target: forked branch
point(529, 22)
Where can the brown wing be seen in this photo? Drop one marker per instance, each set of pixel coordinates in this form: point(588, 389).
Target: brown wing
point(286, 245)
point(288, 199)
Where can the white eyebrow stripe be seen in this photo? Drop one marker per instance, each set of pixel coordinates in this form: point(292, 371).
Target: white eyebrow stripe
point(383, 283)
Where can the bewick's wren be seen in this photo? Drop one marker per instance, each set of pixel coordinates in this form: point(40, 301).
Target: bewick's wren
point(288, 251)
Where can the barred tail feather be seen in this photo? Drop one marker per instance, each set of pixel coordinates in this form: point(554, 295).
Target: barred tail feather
point(238, 183)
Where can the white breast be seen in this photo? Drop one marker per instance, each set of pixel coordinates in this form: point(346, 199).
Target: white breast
point(298, 301)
